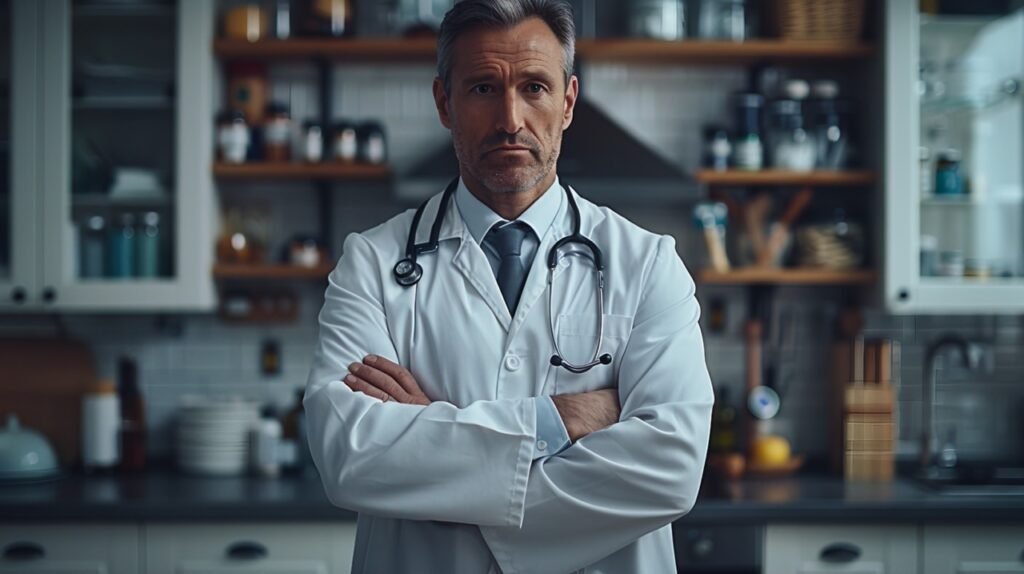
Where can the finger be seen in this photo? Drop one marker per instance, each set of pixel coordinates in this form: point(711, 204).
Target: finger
point(356, 384)
point(379, 379)
point(397, 372)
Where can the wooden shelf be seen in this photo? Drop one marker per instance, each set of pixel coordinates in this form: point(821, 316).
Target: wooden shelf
point(246, 271)
point(771, 177)
point(326, 170)
point(798, 276)
point(609, 49)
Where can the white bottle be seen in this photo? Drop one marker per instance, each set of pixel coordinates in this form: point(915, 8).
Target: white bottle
point(101, 425)
point(266, 446)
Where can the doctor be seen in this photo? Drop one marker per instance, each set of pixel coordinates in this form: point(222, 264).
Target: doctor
point(489, 406)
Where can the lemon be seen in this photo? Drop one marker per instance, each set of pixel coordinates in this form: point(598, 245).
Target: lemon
point(770, 450)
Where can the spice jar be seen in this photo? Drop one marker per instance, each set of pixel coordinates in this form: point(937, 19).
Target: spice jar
point(346, 147)
point(792, 147)
point(233, 137)
point(277, 131)
point(947, 173)
point(247, 22)
point(313, 142)
point(372, 143)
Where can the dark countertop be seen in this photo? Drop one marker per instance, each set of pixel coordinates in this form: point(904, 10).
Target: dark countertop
point(166, 495)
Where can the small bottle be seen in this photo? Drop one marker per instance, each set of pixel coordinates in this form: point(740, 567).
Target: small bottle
point(149, 245)
point(346, 147)
point(277, 133)
point(233, 137)
point(101, 421)
point(121, 262)
point(372, 144)
point(266, 445)
point(748, 151)
point(92, 241)
point(133, 418)
point(313, 142)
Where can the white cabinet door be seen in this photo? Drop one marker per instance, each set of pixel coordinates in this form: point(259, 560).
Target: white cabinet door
point(125, 184)
point(973, 549)
point(269, 548)
point(954, 182)
point(20, 237)
point(814, 549)
point(69, 549)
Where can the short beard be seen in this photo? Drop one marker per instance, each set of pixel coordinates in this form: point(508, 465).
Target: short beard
point(499, 182)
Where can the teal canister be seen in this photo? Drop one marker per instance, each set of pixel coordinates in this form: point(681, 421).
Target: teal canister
point(148, 241)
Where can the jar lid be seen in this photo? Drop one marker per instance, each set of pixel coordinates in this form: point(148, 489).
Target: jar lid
point(310, 124)
point(103, 387)
point(749, 99)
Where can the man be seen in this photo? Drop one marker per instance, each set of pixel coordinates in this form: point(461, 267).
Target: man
point(435, 409)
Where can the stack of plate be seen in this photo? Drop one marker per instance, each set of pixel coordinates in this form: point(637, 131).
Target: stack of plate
point(213, 435)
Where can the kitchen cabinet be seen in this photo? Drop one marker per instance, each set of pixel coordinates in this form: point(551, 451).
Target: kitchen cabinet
point(954, 240)
point(69, 549)
point(287, 548)
point(973, 549)
point(109, 200)
point(819, 549)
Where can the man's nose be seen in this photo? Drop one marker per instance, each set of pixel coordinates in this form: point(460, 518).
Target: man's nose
point(510, 118)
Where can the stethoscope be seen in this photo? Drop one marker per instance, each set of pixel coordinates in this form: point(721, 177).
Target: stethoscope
point(408, 272)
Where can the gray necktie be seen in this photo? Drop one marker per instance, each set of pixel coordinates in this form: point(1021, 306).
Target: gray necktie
point(508, 242)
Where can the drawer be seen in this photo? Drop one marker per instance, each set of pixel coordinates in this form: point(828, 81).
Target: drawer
point(820, 549)
point(260, 548)
point(973, 549)
point(69, 548)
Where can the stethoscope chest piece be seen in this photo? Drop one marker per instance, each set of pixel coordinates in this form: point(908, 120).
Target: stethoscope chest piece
point(408, 272)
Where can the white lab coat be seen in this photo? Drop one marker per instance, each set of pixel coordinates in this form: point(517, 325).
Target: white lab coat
point(452, 487)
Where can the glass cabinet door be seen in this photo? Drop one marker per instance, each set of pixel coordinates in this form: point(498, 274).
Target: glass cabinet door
point(19, 242)
point(963, 223)
point(113, 122)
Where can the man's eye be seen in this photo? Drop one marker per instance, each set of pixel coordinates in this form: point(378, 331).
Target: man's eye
point(482, 89)
point(535, 88)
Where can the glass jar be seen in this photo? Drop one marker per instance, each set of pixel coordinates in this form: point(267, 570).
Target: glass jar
point(748, 150)
point(346, 142)
point(658, 19)
point(312, 142)
point(717, 148)
point(947, 173)
point(233, 137)
point(792, 148)
point(723, 20)
point(277, 130)
point(372, 143)
point(247, 22)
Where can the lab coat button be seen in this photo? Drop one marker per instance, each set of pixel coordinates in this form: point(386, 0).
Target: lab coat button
point(542, 445)
point(513, 362)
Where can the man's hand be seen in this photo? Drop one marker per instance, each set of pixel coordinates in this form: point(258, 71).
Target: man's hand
point(385, 380)
point(584, 413)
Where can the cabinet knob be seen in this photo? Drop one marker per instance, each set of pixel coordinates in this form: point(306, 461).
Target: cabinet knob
point(246, 550)
point(18, 295)
point(903, 295)
point(702, 547)
point(49, 295)
point(840, 553)
point(23, 551)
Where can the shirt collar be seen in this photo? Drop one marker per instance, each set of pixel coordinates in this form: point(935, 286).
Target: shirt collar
point(480, 218)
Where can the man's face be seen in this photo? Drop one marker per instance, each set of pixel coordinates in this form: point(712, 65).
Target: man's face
point(508, 105)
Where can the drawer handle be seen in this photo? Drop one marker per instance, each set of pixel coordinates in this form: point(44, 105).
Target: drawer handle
point(24, 551)
point(840, 553)
point(247, 551)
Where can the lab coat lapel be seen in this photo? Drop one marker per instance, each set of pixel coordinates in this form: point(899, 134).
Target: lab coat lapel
point(472, 263)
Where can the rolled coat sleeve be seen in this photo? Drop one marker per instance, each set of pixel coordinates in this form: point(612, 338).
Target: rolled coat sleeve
point(615, 485)
point(406, 461)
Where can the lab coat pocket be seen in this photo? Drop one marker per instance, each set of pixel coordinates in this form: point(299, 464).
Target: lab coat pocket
point(577, 339)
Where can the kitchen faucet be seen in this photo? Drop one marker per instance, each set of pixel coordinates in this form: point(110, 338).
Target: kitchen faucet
point(947, 458)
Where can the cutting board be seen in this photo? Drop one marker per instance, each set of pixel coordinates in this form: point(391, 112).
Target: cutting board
point(42, 382)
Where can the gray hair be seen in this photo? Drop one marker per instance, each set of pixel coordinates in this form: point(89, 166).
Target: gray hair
point(468, 14)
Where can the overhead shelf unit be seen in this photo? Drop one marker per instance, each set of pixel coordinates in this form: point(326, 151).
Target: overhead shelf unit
point(291, 171)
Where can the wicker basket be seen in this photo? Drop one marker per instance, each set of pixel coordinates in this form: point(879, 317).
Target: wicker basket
point(833, 20)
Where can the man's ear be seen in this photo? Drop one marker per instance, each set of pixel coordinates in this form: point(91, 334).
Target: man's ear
point(572, 91)
point(441, 101)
